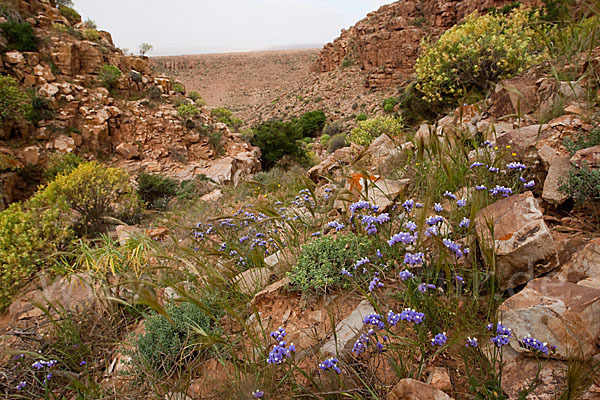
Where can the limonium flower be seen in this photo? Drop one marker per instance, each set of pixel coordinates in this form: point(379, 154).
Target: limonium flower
point(424, 287)
point(408, 205)
point(361, 262)
point(279, 334)
point(439, 339)
point(535, 345)
point(405, 275)
point(317, 234)
point(480, 187)
point(476, 164)
point(410, 315)
point(431, 231)
point(450, 195)
point(472, 342)
point(452, 246)
point(393, 318)
point(413, 259)
point(378, 253)
point(516, 166)
point(438, 207)
point(434, 220)
point(375, 320)
point(336, 225)
point(330, 363)
point(361, 344)
point(21, 385)
point(501, 190)
point(375, 283)
point(346, 273)
point(280, 352)
point(503, 334)
point(402, 237)
point(461, 203)
point(258, 394)
point(529, 184)
point(464, 223)
point(493, 169)
point(411, 226)
point(459, 279)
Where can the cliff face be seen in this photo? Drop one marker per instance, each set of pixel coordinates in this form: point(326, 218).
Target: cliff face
point(385, 44)
point(118, 125)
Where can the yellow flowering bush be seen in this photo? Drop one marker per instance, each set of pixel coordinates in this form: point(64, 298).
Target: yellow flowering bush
point(30, 234)
point(96, 191)
point(482, 50)
point(370, 129)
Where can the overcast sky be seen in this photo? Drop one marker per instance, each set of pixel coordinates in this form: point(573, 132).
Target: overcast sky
point(202, 26)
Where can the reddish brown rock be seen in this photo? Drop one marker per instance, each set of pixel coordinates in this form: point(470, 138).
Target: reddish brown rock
point(411, 389)
point(524, 246)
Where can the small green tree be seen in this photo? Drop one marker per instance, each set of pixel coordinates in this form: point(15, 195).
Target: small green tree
point(187, 111)
point(20, 36)
point(277, 139)
point(145, 48)
point(14, 103)
point(370, 129)
point(109, 76)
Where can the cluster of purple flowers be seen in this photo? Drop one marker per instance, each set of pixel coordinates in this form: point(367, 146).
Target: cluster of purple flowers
point(361, 344)
point(424, 287)
point(281, 350)
point(503, 334)
point(393, 318)
point(375, 283)
point(501, 191)
point(406, 274)
point(347, 273)
point(535, 345)
point(402, 237)
point(464, 223)
point(454, 247)
point(450, 195)
point(439, 339)
point(330, 363)
point(362, 205)
point(258, 394)
point(476, 164)
point(375, 320)
point(438, 207)
point(336, 225)
point(411, 315)
point(41, 364)
point(516, 166)
point(434, 220)
point(472, 342)
point(413, 259)
point(361, 262)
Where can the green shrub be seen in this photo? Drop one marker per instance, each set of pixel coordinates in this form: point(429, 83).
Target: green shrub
point(333, 128)
point(324, 139)
point(311, 123)
point(60, 27)
point(166, 344)
point(337, 142)
point(63, 3)
point(70, 14)
point(41, 109)
point(155, 190)
point(109, 76)
point(321, 261)
point(154, 93)
point(277, 139)
point(91, 34)
point(20, 36)
point(361, 117)
point(583, 141)
point(476, 54)
point(178, 88)
point(370, 129)
point(197, 98)
point(225, 116)
point(414, 108)
point(14, 103)
point(187, 111)
point(583, 184)
point(216, 141)
point(95, 192)
point(389, 104)
point(91, 24)
point(62, 164)
point(30, 235)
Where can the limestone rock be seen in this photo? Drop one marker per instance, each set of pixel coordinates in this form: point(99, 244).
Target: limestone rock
point(558, 173)
point(583, 264)
point(30, 155)
point(252, 280)
point(124, 232)
point(213, 196)
point(440, 379)
point(384, 192)
point(127, 150)
point(382, 146)
point(589, 156)
point(348, 331)
point(560, 313)
point(64, 144)
point(411, 389)
point(524, 246)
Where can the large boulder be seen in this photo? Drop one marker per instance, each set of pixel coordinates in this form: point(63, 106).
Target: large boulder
point(589, 157)
point(524, 246)
point(562, 314)
point(584, 264)
point(411, 389)
point(558, 173)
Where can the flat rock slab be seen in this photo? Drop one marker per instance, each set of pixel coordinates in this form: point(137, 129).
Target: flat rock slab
point(524, 246)
point(348, 331)
point(559, 313)
point(411, 389)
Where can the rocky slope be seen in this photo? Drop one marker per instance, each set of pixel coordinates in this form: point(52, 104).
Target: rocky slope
point(119, 125)
point(386, 44)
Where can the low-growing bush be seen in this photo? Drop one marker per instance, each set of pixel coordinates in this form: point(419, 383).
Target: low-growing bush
point(155, 190)
point(14, 103)
point(337, 142)
point(197, 98)
point(321, 262)
point(154, 93)
point(370, 129)
point(225, 116)
point(178, 88)
point(277, 139)
point(324, 139)
point(216, 141)
point(333, 128)
point(30, 235)
point(583, 184)
point(167, 344)
point(20, 36)
point(41, 109)
point(109, 76)
point(91, 34)
point(91, 24)
point(583, 141)
point(95, 192)
point(61, 164)
point(311, 123)
point(475, 54)
point(361, 117)
point(70, 14)
point(389, 104)
point(187, 110)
